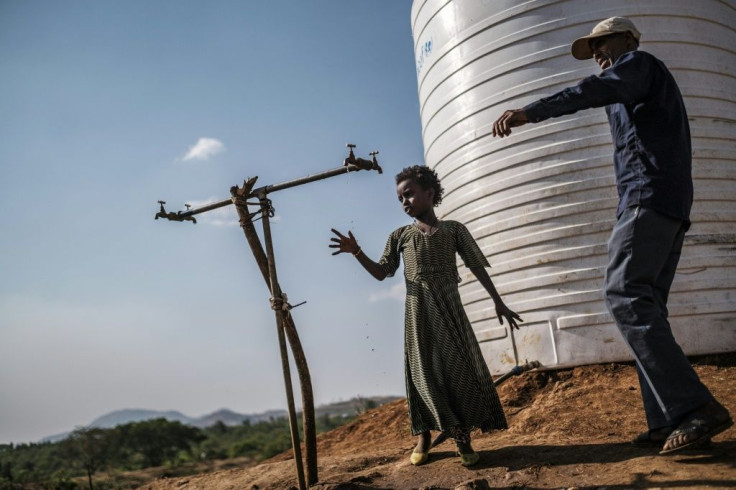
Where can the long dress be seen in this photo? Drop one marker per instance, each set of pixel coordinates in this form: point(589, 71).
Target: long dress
point(448, 385)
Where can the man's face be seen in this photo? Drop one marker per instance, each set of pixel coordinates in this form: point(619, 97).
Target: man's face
point(607, 49)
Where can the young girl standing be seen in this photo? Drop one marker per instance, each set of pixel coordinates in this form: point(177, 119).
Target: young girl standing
point(448, 385)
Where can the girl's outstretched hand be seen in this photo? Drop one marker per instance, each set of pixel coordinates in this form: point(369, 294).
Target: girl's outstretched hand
point(344, 243)
point(503, 311)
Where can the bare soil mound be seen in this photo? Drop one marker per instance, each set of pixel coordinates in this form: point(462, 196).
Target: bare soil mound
point(567, 429)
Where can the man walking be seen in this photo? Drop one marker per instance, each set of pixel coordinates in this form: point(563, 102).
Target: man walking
point(652, 164)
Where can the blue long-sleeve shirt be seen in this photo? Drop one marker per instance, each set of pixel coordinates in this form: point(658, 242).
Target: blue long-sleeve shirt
point(651, 134)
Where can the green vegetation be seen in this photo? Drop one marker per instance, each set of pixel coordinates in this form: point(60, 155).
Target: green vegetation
point(91, 458)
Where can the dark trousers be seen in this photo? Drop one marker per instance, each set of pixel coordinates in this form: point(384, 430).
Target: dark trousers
point(643, 253)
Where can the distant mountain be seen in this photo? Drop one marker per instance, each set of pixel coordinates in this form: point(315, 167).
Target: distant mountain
point(227, 417)
point(127, 416)
point(354, 405)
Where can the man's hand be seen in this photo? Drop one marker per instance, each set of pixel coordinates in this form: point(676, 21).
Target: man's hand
point(509, 119)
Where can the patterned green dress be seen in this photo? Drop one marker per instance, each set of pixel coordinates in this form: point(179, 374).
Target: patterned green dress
point(448, 385)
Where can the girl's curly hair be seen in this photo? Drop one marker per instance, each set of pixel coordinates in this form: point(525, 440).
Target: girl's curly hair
point(425, 177)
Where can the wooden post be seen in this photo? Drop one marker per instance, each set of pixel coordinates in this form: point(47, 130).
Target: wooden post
point(239, 196)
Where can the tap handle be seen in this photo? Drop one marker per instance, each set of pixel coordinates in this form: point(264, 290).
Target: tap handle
point(351, 156)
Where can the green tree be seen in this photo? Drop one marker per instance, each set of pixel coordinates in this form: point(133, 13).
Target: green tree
point(6, 471)
point(219, 428)
point(90, 448)
point(159, 440)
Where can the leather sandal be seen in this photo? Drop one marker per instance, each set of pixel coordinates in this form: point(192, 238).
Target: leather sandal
point(652, 437)
point(698, 428)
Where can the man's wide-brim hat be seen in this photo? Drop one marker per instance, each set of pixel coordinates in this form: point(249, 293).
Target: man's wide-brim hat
point(581, 47)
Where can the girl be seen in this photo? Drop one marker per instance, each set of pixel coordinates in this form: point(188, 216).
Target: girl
point(448, 385)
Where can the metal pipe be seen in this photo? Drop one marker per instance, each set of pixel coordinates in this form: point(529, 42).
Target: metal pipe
point(204, 209)
point(267, 189)
point(276, 293)
point(515, 371)
point(305, 180)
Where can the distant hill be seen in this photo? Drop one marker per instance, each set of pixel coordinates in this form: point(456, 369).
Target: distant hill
point(226, 416)
point(354, 406)
point(127, 416)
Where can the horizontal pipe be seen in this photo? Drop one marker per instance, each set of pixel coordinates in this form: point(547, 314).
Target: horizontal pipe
point(206, 208)
point(267, 189)
point(304, 180)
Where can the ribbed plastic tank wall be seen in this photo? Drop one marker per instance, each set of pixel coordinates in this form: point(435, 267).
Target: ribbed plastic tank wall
point(541, 203)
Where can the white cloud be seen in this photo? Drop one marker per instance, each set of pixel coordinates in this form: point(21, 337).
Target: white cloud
point(396, 292)
point(204, 149)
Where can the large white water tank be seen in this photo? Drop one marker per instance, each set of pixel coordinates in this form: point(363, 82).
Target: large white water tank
point(542, 202)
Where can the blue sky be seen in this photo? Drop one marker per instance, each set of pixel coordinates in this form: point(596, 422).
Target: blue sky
point(109, 106)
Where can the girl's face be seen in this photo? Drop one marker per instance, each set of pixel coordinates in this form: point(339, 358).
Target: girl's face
point(415, 200)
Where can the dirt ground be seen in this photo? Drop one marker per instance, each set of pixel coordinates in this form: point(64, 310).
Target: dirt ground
point(567, 429)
